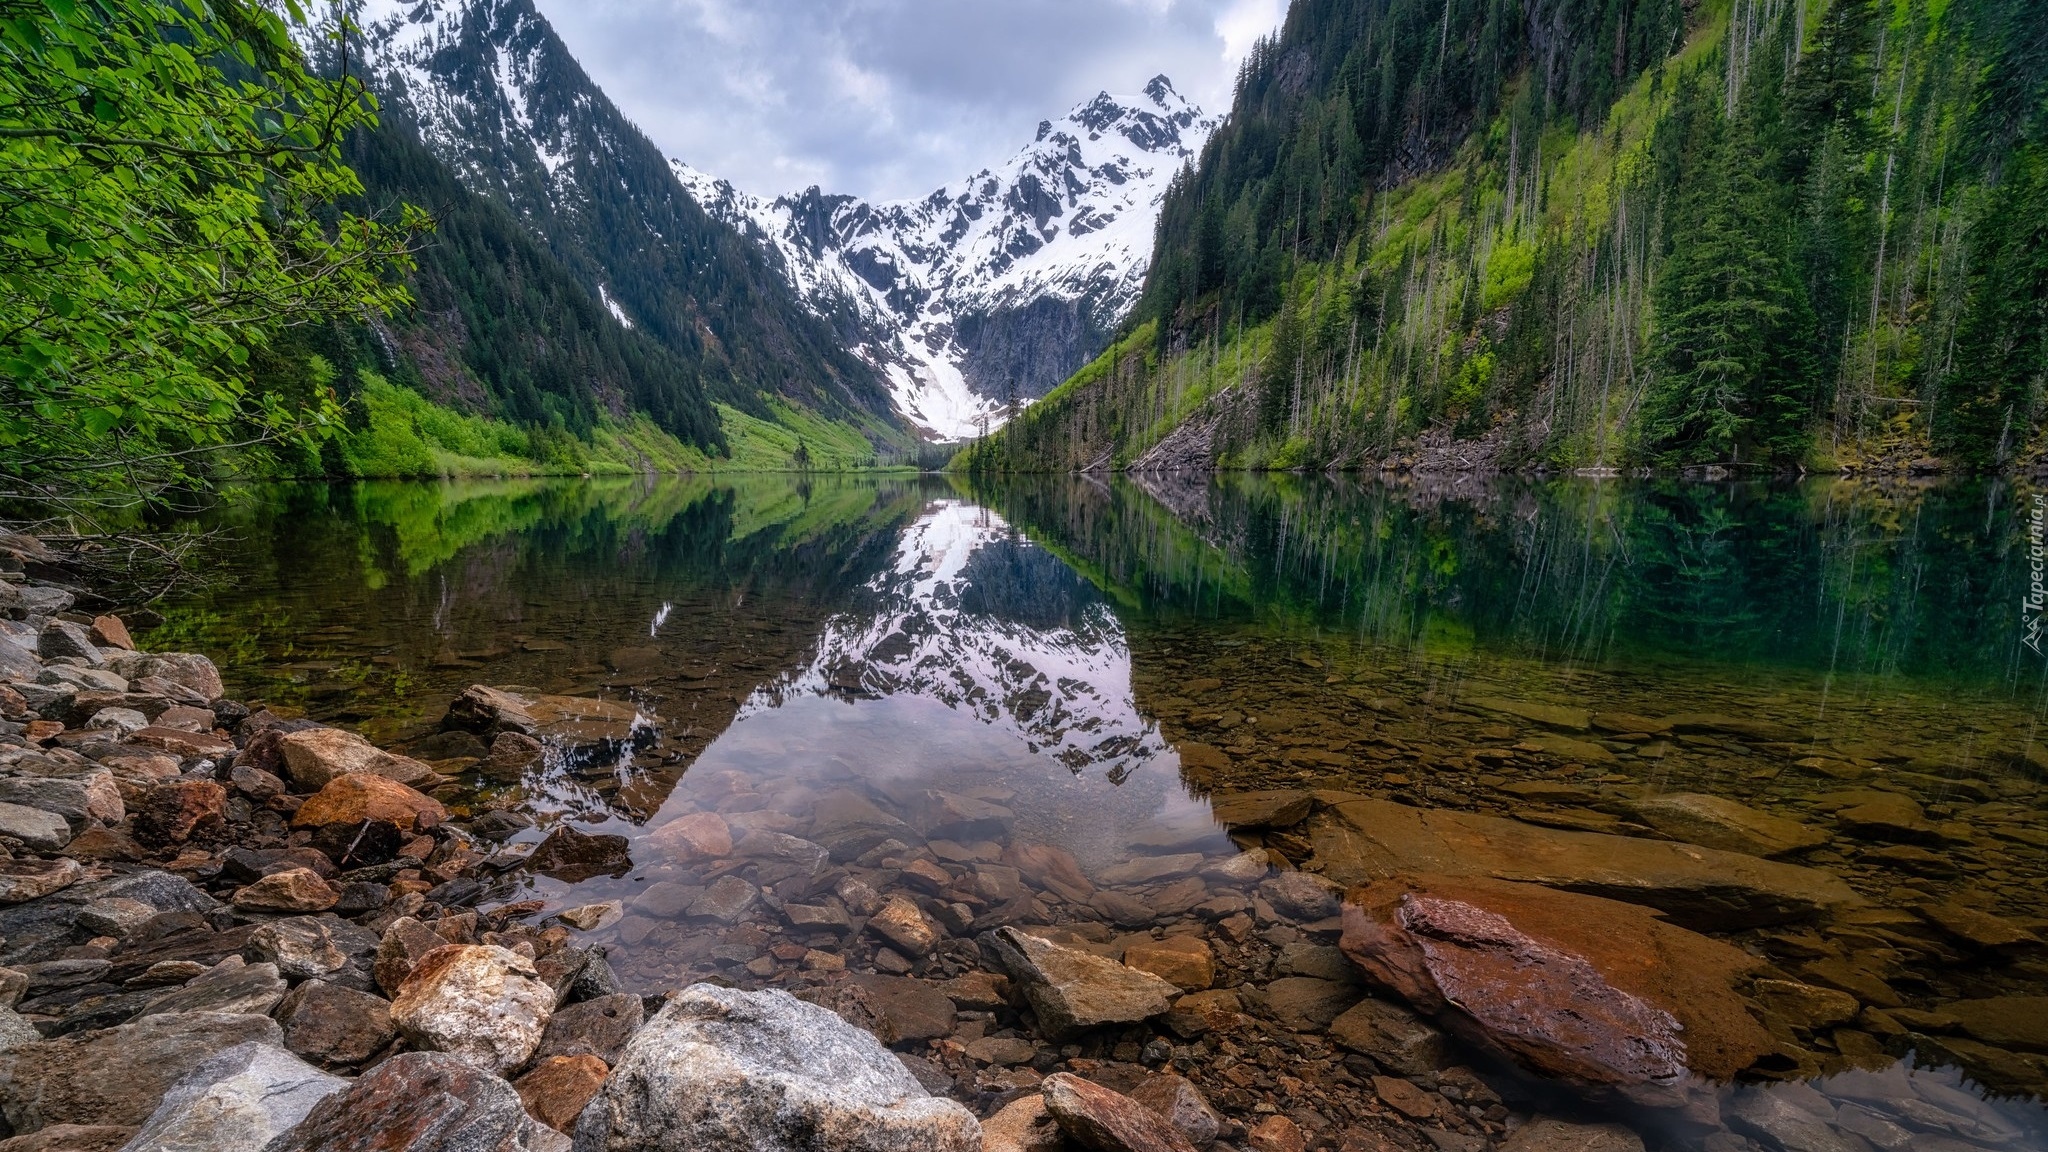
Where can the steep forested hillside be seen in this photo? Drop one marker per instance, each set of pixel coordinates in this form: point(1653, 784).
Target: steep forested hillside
point(1595, 233)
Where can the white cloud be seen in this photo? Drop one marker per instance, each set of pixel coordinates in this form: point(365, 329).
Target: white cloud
point(887, 98)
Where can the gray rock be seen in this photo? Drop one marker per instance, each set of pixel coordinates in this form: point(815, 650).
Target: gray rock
point(62, 638)
point(118, 720)
point(66, 798)
point(48, 699)
point(1072, 990)
point(187, 669)
point(1302, 896)
point(39, 830)
point(721, 1068)
point(117, 1075)
point(1304, 1003)
point(231, 986)
point(237, 1101)
point(333, 1025)
point(15, 1031)
point(727, 899)
point(1782, 1123)
point(422, 1102)
point(308, 946)
point(44, 600)
point(598, 1027)
point(479, 1002)
point(1396, 1039)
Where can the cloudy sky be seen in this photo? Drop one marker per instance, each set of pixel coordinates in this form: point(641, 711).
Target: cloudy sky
point(887, 98)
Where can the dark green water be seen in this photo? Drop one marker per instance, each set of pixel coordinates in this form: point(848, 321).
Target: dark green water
point(1098, 656)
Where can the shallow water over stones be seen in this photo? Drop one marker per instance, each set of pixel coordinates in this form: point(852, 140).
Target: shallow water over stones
point(856, 726)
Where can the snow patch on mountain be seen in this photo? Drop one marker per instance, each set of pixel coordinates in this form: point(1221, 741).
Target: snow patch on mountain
point(1069, 218)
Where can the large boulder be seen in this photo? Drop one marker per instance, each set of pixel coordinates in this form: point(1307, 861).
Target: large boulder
point(422, 1102)
point(237, 1101)
point(1072, 990)
point(316, 756)
point(478, 1002)
point(117, 1075)
point(186, 669)
point(721, 1068)
point(1575, 987)
point(1360, 841)
point(334, 1025)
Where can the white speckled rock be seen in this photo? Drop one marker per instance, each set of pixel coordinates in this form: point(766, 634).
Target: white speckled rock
point(478, 1002)
point(237, 1101)
point(764, 1071)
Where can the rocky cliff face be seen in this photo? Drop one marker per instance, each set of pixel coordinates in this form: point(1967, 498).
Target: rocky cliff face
point(996, 287)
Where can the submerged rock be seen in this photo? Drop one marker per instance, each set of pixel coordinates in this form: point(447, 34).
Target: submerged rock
point(1108, 1121)
point(1361, 841)
point(1717, 822)
point(1584, 989)
point(720, 1068)
point(1072, 990)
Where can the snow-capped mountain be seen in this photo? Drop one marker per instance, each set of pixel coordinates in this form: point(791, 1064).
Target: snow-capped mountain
point(497, 97)
point(995, 287)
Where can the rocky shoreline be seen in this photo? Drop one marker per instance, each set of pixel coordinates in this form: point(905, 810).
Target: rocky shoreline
point(224, 928)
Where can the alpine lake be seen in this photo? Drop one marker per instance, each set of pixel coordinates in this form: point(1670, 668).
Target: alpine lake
point(1769, 745)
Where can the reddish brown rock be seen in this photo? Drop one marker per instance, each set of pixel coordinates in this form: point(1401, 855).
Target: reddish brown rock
point(404, 943)
point(1277, 1134)
point(292, 890)
point(317, 756)
point(109, 632)
point(1051, 868)
point(1107, 1121)
point(71, 1138)
point(1576, 987)
point(357, 798)
point(558, 1087)
point(178, 810)
point(420, 1102)
point(184, 744)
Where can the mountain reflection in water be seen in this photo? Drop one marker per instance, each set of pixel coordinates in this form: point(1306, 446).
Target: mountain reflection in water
point(1017, 707)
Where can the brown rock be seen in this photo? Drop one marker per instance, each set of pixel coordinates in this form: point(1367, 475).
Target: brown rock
point(1272, 808)
point(1107, 1121)
point(597, 1028)
point(1547, 1134)
point(558, 1087)
point(693, 837)
point(1888, 816)
point(330, 1025)
point(575, 856)
point(511, 756)
point(1181, 1103)
point(405, 941)
point(1806, 1006)
point(2007, 1021)
point(116, 1075)
point(1394, 1037)
point(905, 925)
point(1576, 987)
point(578, 725)
point(1361, 841)
point(1072, 990)
point(178, 810)
point(1404, 1097)
point(1183, 961)
point(1718, 822)
point(27, 879)
point(109, 632)
point(1023, 1125)
point(1054, 869)
point(1977, 928)
point(1276, 1133)
point(292, 890)
point(358, 798)
point(420, 1102)
point(316, 757)
point(71, 1138)
point(480, 1002)
point(185, 745)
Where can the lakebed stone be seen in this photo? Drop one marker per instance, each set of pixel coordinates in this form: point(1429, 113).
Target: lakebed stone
point(1577, 987)
point(718, 1068)
point(1718, 822)
point(1363, 840)
point(1107, 1121)
point(1072, 990)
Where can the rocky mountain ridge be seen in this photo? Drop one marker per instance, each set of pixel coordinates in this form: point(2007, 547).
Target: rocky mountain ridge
point(993, 288)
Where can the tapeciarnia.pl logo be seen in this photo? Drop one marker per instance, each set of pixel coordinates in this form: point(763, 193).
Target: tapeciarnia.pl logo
point(2036, 599)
